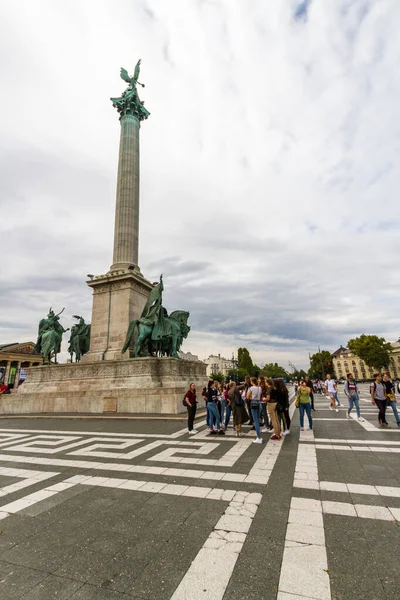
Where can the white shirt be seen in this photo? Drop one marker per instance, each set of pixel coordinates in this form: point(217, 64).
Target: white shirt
point(255, 392)
point(330, 384)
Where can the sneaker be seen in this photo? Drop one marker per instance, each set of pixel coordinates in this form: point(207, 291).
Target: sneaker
point(265, 430)
point(338, 404)
point(386, 425)
point(361, 419)
point(212, 432)
point(287, 432)
point(257, 441)
point(347, 415)
point(301, 428)
point(283, 433)
point(193, 432)
point(330, 408)
point(337, 410)
point(309, 429)
point(276, 437)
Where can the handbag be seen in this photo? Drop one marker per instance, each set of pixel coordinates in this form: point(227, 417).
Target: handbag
point(254, 404)
point(297, 403)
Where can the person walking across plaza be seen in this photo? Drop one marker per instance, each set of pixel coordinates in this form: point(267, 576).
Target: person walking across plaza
point(212, 410)
point(353, 396)
point(304, 403)
point(191, 405)
point(309, 384)
point(272, 412)
point(379, 398)
point(331, 391)
point(253, 396)
point(391, 396)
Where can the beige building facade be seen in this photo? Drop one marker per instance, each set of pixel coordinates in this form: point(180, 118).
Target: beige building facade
point(218, 364)
point(13, 358)
point(345, 362)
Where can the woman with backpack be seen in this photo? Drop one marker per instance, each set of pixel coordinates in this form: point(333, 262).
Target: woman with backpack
point(191, 405)
point(238, 408)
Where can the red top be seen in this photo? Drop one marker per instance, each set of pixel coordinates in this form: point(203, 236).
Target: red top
point(191, 396)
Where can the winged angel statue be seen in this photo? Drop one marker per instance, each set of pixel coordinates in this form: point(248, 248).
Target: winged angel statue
point(129, 103)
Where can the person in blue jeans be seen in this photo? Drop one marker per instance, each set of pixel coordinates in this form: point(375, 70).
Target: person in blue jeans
point(212, 409)
point(391, 396)
point(351, 391)
point(254, 398)
point(304, 403)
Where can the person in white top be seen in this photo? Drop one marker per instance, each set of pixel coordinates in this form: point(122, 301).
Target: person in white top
point(254, 397)
point(331, 391)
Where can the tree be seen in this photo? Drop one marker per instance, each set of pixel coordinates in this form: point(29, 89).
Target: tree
point(373, 350)
point(241, 374)
point(298, 374)
point(321, 364)
point(245, 362)
point(274, 370)
point(218, 376)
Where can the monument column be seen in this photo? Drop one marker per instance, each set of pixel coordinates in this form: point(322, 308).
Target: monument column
point(126, 229)
point(120, 295)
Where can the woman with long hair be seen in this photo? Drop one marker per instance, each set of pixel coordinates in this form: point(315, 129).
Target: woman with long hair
point(272, 404)
point(238, 407)
point(191, 405)
point(212, 409)
point(304, 403)
point(261, 383)
point(282, 396)
point(254, 398)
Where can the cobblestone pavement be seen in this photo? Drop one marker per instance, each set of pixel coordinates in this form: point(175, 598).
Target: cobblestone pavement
point(137, 509)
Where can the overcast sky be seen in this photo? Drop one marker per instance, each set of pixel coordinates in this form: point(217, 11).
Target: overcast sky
point(269, 186)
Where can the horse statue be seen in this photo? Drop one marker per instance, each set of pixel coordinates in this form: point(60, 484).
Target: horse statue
point(79, 341)
point(163, 338)
point(49, 337)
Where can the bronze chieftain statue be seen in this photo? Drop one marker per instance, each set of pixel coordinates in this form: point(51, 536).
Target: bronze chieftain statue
point(129, 102)
point(79, 341)
point(50, 336)
point(158, 333)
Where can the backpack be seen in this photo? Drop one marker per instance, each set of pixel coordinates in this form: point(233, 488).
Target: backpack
point(238, 399)
point(184, 400)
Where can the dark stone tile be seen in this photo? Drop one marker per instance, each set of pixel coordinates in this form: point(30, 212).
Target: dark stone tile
point(16, 581)
point(53, 587)
point(91, 592)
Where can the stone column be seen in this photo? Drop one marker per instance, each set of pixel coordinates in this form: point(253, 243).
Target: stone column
point(7, 372)
point(126, 228)
point(17, 374)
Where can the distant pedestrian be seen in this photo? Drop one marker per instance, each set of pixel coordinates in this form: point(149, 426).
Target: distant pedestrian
point(253, 396)
point(304, 404)
point(391, 396)
point(352, 393)
point(191, 405)
point(379, 398)
point(243, 389)
point(331, 391)
point(266, 425)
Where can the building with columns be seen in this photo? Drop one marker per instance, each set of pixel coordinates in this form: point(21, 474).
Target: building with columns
point(13, 358)
point(345, 362)
point(218, 364)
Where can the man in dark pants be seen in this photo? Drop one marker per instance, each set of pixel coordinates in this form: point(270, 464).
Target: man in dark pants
point(309, 384)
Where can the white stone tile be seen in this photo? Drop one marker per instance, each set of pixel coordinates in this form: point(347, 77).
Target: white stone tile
point(396, 513)
point(304, 573)
point(197, 491)
point(306, 517)
point(26, 501)
point(212, 475)
point(192, 473)
point(176, 490)
point(155, 470)
point(356, 488)
point(393, 492)
point(131, 484)
point(234, 477)
point(258, 479)
point(228, 495)
point(3, 515)
point(285, 596)
point(174, 472)
point(305, 534)
point(366, 511)
point(339, 508)
point(77, 479)
point(332, 486)
point(60, 487)
point(305, 484)
point(306, 504)
point(232, 523)
point(253, 498)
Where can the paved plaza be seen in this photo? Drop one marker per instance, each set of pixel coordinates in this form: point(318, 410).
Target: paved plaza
point(118, 509)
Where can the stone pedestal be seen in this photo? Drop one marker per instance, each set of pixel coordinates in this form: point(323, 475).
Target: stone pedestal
point(141, 385)
point(118, 298)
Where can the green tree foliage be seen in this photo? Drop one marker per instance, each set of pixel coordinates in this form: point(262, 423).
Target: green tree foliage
point(373, 350)
point(218, 376)
point(245, 362)
point(274, 370)
point(241, 374)
point(298, 374)
point(321, 364)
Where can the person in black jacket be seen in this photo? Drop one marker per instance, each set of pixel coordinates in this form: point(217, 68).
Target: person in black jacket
point(282, 396)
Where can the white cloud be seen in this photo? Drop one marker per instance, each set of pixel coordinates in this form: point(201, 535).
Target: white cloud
point(269, 157)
